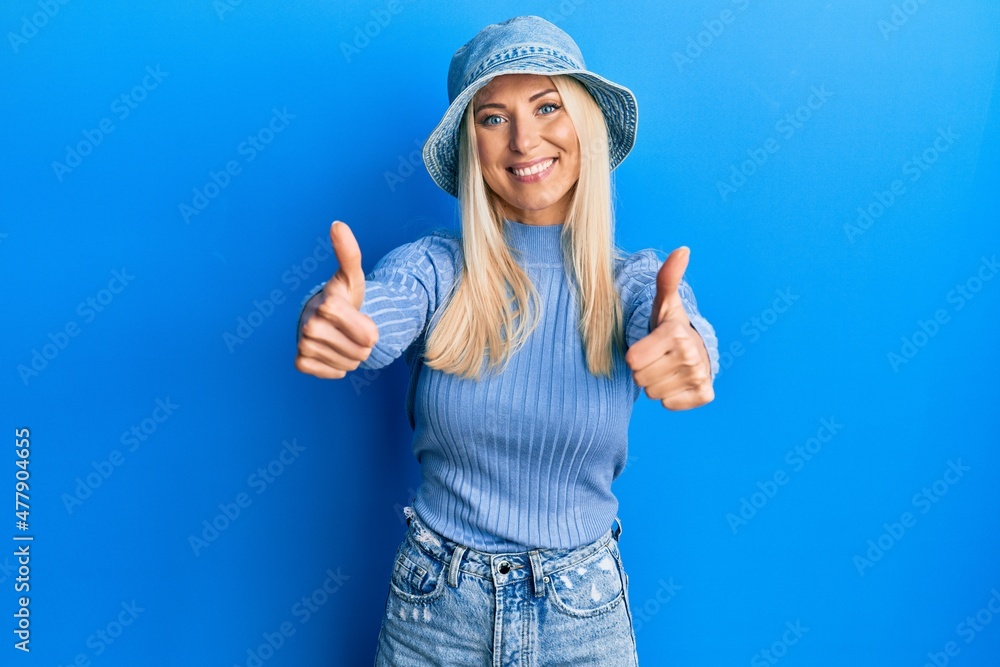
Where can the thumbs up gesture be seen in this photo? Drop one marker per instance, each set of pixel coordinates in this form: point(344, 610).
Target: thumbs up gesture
point(337, 336)
point(671, 363)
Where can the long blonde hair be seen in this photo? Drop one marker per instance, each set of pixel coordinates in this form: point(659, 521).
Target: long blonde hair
point(492, 289)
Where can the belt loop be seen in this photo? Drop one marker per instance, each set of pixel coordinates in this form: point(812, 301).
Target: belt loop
point(536, 572)
point(456, 559)
point(618, 530)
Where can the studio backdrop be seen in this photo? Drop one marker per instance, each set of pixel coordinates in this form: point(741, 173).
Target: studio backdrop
point(177, 493)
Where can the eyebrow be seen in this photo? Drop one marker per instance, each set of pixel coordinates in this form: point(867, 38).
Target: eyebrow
point(497, 105)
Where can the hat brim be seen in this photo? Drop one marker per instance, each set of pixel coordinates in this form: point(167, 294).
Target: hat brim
point(617, 103)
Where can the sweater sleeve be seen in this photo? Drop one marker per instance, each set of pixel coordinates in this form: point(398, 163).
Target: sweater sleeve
point(638, 289)
point(403, 291)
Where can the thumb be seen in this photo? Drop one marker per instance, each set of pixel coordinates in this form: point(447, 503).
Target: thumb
point(668, 279)
point(349, 273)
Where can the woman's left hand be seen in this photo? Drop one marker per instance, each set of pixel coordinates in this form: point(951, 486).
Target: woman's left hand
point(671, 363)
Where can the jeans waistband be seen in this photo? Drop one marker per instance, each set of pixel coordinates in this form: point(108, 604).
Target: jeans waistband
point(502, 568)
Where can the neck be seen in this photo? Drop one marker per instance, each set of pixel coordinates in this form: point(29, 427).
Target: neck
point(537, 245)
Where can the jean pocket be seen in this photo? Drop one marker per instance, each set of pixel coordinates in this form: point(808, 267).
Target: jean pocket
point(616, 552)
point(588, 587)
point(416, 575)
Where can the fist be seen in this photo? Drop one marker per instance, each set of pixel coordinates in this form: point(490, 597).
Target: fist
point(672, 363)
point(336, 336)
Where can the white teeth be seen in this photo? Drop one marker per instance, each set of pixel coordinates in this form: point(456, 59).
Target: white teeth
point(541, 166)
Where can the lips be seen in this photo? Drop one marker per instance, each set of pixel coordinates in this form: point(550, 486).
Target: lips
point(533, 168)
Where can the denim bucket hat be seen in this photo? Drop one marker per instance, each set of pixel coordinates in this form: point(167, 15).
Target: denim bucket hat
point(522, 45)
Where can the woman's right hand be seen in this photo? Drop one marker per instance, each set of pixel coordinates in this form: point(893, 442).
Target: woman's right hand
point(336, 337)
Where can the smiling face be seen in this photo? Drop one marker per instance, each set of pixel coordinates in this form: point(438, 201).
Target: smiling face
point(528, 148)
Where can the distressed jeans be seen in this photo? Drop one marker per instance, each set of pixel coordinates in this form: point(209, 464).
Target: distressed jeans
point(452, 606)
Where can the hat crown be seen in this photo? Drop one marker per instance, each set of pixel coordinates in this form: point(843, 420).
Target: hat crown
point(501, 43)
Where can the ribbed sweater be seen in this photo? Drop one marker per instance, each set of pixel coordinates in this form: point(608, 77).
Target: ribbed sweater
point(523, 458)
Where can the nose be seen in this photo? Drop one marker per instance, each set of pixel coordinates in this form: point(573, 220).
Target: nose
point(524, 135)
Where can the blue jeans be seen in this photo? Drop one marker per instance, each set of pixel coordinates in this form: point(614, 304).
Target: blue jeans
point(451, 606)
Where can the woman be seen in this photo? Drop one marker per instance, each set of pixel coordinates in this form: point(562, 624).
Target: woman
point(521, 386)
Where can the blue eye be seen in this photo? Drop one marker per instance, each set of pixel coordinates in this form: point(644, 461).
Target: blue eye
point(488, 121)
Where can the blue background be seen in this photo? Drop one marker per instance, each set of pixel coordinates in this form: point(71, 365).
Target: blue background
point(709, 586)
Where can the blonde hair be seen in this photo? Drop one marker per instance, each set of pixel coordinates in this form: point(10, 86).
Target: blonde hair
point(492, 290)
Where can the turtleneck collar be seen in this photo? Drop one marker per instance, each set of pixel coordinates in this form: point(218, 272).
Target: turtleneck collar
point(537, 245)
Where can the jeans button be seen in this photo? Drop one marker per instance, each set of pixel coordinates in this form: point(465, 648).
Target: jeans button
point(504, 567)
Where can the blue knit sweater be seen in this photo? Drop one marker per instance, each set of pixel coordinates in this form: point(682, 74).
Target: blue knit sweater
point(524, 458)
